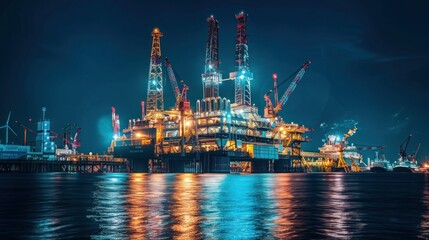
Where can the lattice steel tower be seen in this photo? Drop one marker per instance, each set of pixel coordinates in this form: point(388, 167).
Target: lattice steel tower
point(243, 76)
point(212, 77)
point(155, 97)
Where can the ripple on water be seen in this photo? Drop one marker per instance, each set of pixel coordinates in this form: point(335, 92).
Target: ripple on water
point(214, 206)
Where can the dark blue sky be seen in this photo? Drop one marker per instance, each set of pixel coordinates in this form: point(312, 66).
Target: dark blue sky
point(78, 58)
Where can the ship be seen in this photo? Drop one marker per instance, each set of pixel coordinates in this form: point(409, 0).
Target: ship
point(337, 155)
point(407, 162)
point(343, 157)
point(380, 164)
point(406, 166)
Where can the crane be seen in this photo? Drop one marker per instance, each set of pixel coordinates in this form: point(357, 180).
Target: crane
point(75, 144)
point(25, 131)
point(182, 102)
point(412, 157)
point(403, 149)
point(271, 111)
point(341, 162)
point(276, 92)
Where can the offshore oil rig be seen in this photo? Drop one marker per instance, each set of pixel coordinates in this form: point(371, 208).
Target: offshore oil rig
point(220, 135)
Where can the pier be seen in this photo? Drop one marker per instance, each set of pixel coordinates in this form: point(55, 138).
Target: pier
point(71, 164)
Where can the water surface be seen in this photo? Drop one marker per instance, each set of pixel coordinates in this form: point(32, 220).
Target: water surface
point(214, 206)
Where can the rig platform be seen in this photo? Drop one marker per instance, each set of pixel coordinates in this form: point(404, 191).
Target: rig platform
point(218, 135)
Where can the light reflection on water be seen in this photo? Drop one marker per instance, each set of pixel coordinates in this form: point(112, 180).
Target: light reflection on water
point(136, 199)
point(214, 206)
point(339, 220)
point(109, 207)
point(424, 224)
point(285, 213)
point(185, 207)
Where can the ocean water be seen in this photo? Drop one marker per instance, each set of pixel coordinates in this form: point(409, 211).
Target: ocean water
point(214, 206)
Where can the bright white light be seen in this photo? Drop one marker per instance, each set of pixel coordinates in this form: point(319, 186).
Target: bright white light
point(115, 136)
point(187, 123)
point(241, 77)
point(210, 66)
point(243, 72)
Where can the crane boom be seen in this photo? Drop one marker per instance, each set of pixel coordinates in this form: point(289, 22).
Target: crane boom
point(341, 162)
point(276, 92)
point(181, 99)
point(76, 142)
point(417, 150)
point(403, 150)
point(173, 80)
point(291, 87)
point(412, 157)
point(25, 131)
point(25, 127)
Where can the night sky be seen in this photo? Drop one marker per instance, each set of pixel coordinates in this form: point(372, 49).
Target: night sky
point(79, 58)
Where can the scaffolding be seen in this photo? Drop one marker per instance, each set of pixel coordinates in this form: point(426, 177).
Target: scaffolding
point(155, 98)
point(242, 76)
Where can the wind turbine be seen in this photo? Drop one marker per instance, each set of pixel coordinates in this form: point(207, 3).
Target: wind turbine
point(7, 128)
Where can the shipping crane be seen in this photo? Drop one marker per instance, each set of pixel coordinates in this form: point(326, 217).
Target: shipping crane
point(341, 162)
point(403, 149)
point(75, 143)
point(182, 102)
point(412, 157)
point(271, 111)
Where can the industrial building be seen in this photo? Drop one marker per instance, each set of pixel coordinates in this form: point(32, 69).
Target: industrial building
point(219, 135)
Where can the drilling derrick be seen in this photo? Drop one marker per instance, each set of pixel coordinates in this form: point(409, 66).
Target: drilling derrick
point(212, 77)
point(155, 98)
point(242, 76)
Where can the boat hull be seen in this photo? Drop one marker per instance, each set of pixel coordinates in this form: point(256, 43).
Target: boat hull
point(378, 169)
point(403, 169)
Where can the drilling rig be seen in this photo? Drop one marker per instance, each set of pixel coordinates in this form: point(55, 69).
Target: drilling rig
point(155, 97)
point(219, 134)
